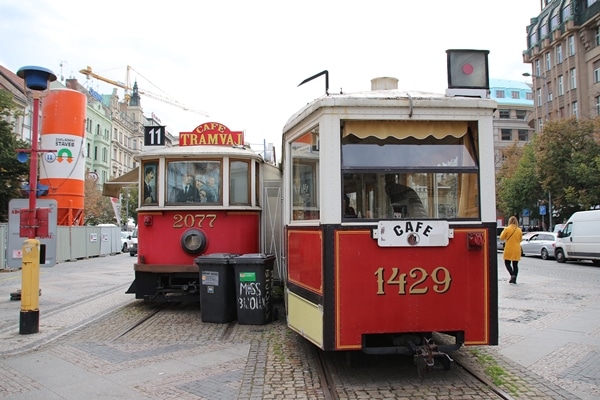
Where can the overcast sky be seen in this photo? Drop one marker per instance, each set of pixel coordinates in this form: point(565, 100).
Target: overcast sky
point(241, 61)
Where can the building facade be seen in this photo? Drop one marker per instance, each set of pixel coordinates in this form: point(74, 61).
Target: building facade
point(515, 106)
point(563, 48)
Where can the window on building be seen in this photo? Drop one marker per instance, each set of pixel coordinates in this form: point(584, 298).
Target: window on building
point(529, 96)
point(499, 94)
point(523, 135)
point(521, 114)
point(574, 110)
point(104, 155)
point(95, 153)
point(573, 78)
point(538, 68)
point(515, 94)
point(538, 94)
point(560, 86)
point(571, 45)
point(505, 134)
point(597, 71)
point(597, 36)
point(597, 105)
point(540, 124)
point(548, 61)
point(559, 57)
point(115, 134)
point(566, 12)
point(504, 114)
point(88, 150)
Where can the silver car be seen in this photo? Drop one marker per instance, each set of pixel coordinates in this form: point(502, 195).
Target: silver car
point(539, 244)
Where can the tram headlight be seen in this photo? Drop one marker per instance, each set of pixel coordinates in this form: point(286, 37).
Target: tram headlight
point(193, 241)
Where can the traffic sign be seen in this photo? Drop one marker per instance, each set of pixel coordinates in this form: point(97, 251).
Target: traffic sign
point(154, 135)
point(542, 210)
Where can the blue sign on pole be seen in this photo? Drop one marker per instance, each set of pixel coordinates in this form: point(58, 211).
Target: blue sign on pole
point(526, 212)
point(542, 210)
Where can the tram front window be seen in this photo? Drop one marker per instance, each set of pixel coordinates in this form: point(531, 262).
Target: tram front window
point(194, 182)
point(387, 195)
point(411, 169)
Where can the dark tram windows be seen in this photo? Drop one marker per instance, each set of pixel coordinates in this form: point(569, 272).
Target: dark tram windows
point(305, 179)
point(194, 182)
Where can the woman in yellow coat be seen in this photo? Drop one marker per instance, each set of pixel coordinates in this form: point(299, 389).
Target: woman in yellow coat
point(512, 236)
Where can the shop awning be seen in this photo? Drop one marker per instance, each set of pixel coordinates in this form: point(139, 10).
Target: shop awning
point(112, 188)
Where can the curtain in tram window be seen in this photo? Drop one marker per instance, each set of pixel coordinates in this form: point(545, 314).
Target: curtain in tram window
point(402, 129)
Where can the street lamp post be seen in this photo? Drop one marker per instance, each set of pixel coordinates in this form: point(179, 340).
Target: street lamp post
point(547, 95)
point(36, 80)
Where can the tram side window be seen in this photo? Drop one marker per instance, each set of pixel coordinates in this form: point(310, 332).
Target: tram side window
point(305, 157)
point(239, 187)
point(194, 182)
point(395, 169)
point(150, 179)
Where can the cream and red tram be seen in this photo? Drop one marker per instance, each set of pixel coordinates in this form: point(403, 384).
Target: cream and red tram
point(380, 274)
point(209, 195)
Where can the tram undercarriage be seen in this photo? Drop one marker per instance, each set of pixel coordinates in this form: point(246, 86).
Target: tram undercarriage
point(166, 287)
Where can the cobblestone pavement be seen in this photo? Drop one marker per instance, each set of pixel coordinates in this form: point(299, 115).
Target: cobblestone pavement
point(93, 348)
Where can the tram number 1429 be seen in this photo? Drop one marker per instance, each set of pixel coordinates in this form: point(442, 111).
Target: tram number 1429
point(439, 280)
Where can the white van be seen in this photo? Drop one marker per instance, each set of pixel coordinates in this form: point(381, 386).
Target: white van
point(580, 238)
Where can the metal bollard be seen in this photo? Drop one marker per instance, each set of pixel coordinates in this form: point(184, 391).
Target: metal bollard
point(30, 286)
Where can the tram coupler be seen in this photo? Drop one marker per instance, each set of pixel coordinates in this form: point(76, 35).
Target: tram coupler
point(426, 354)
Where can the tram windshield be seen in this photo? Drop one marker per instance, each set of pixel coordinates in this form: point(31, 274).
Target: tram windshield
point(395, 169)
point(194, 182)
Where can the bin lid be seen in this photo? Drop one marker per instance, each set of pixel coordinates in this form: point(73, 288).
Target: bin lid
point(253, 258)
point(215, 258)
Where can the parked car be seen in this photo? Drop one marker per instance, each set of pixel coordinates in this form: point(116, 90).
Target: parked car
point(579, 238)
point(499, 243)
point(133, 244)
point(125, 240)
point(540, 244)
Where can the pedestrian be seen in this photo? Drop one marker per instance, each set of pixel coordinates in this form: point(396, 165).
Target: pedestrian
point(512, 236)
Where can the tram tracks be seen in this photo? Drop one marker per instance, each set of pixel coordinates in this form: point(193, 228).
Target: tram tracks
point(341, 380)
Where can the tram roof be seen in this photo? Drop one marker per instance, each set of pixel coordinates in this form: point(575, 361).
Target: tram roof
point(199, 150)
point(388, 98)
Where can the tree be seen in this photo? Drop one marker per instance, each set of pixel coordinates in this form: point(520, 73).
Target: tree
point(129, 207)
point(517, 183)
point(568, 164)
point(12, 172)
point(98, 209)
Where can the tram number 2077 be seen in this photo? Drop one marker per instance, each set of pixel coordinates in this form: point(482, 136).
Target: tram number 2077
point(439, 280)
point(193, 220)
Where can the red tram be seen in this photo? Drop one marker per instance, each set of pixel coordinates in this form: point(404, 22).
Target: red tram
point(389, 215)
point(211, 194)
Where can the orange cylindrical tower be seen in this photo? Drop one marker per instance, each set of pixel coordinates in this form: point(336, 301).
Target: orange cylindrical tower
point(63, 167)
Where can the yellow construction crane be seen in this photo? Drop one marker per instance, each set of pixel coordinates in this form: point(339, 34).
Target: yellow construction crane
point(128, 88)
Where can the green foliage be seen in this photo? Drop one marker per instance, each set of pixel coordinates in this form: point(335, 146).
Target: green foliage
point(98, 208)
point(129, 203)
point(568, 164)
point(12, 172)
point(563, 160)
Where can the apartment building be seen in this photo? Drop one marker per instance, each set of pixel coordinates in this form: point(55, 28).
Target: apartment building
point(563, 48)
point(515, 106)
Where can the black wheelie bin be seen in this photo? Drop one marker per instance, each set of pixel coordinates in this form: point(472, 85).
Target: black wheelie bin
point(217, 287)
point(254, 288)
